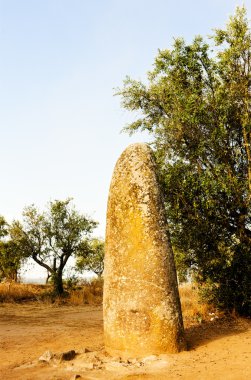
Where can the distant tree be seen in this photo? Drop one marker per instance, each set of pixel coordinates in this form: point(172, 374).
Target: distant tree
point(11, 258)
point(3, 227)
point(90, 256)
point(52, 237)
point(197, 106)
point(10, 261)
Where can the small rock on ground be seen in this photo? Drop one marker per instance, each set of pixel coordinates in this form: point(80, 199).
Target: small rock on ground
point(46, 357)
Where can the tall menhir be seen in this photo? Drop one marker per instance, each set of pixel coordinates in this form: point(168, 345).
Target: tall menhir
point(142, 313)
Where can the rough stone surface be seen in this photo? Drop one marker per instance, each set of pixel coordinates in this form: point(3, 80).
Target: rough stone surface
point(46, 357)
point(142, 314)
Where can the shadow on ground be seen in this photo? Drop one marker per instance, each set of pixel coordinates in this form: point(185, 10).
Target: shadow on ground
point(207, 332)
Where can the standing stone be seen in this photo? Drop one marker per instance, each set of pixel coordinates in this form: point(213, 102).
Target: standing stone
point(142, 314)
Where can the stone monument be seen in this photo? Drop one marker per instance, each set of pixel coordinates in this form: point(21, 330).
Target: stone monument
point(142, 313)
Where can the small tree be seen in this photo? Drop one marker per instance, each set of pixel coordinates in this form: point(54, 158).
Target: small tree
point(51, 237)
point(11, 257)
point(91, 256)
point(10, 260)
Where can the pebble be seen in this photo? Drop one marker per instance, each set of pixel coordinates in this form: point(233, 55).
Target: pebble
point(46, 357)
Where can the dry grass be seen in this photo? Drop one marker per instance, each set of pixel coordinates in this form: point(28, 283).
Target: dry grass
point(15, 292)
point(194, 311)
point(87, 293)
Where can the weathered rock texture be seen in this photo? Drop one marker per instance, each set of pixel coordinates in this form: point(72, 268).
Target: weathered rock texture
point(142, 314)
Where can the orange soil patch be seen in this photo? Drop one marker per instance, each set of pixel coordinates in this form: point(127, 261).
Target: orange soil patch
point(218, 349)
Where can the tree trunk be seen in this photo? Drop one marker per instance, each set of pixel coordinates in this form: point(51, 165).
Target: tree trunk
point(58, 283)
point(14, 275)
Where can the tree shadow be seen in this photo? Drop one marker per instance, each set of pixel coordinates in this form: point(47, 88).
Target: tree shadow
point(208, 331)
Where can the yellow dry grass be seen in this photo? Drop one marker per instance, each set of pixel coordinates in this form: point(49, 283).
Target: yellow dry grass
point(15, 292)
point(88, 293)
point(194, 311)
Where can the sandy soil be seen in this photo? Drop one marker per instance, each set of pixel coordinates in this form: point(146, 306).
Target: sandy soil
point(217, 350)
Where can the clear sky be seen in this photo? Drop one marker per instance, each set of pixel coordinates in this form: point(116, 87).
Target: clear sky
point(60, 62)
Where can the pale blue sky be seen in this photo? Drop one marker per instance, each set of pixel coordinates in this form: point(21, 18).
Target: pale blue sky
point(60, 60)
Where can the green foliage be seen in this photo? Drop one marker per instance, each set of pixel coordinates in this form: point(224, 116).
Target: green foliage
point(3, 227)
point(11, 258)
point(10, 261)
point(196, 104)
point(51, 237)
point(91, 256)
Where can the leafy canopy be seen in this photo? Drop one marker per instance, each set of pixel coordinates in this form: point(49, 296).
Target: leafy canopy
point(11, 258)
point(53, 236)
point(196, 104)
point(90, 256)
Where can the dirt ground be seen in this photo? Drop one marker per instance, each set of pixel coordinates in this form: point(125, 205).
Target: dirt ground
point(217, 350)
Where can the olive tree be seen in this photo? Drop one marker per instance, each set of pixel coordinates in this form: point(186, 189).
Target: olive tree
point(90, 256)
point(197, 106)
point(53, 236)
point(11, 257)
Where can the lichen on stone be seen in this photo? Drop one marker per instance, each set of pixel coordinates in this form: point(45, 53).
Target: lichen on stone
point(140, 280)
